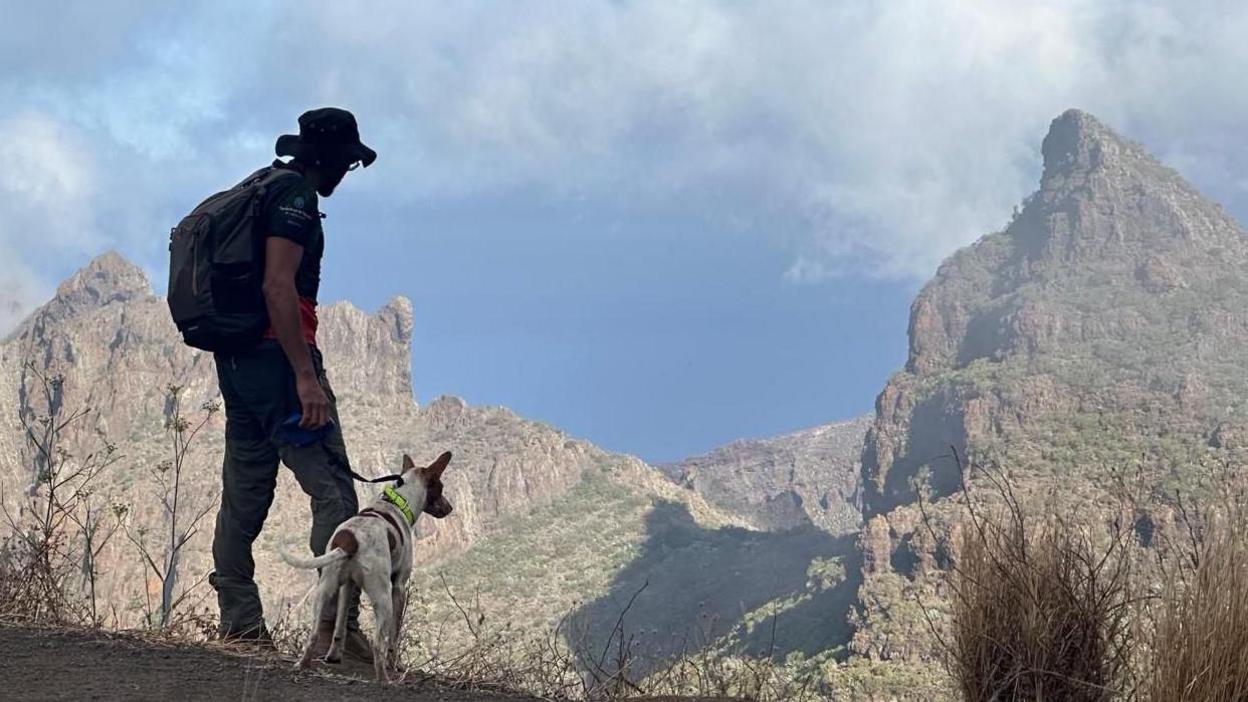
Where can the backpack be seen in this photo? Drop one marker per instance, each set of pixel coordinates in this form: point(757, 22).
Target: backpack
point(216, 267)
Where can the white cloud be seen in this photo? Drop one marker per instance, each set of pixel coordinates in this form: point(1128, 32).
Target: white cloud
point(46, 185)
point(896, 132)
point(899, 131)
point(46, 192)
point(20, 290)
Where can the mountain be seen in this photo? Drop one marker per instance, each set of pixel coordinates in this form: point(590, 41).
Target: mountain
point(545, 525)
point(809, 477)
point(1095, 345)
point(1098, 341)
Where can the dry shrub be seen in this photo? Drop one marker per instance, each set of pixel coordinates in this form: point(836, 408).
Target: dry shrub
point(1040, 611)
point(560, 662)
point(52, 541)
point(1200, 647)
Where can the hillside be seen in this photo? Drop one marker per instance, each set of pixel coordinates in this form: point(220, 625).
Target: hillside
point(1092, 350)
point(1095, 346)
point(809, 477)
point(545, 525)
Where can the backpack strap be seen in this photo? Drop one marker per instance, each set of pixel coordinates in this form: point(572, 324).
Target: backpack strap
point(272, 175)
point(260, 182)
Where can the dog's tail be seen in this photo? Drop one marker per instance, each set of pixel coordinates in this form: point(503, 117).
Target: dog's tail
point(332, 556)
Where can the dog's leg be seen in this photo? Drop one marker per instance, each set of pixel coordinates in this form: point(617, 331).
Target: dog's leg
point(379, 593)
point(340, 625)
point(324, 590)
point(399, 598)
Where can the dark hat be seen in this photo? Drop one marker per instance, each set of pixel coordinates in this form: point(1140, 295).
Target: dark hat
point(328, 131)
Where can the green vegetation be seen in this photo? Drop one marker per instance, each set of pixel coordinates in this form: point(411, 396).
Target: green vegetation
point(538, 567)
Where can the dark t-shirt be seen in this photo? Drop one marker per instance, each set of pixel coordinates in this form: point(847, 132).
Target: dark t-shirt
point(291, 212)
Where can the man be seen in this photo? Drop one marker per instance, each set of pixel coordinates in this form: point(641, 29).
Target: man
point(284, 376)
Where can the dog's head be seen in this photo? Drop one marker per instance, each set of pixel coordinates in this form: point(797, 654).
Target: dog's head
point(430, 476)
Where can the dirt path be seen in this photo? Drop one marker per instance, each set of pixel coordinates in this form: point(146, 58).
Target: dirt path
point(53, 664)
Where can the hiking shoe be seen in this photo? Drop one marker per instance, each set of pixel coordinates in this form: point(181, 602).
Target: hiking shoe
point(256, 638)
point(357, 647)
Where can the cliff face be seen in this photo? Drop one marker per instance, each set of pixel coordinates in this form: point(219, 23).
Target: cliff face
point(805, 478)
point(1102, 333)
point(112, 341)
point(1116, 286)
point(544, 525)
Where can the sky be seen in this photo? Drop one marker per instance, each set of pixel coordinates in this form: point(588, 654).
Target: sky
point(660, 226)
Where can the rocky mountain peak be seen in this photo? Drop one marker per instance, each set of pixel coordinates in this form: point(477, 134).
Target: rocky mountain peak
point(398, 314)
point(1079, 142)
point(1115, 268)
point(1107, 216)
point(786, 482)
point(114, 345)
point(107, 279)
point(1103, 197)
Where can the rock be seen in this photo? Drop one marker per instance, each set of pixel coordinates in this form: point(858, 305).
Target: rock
point(808, 477)
point(1104, 330)
point(1089, 272)
point(113, 341)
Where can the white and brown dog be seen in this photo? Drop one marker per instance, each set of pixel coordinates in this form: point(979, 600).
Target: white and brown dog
point(373, 551)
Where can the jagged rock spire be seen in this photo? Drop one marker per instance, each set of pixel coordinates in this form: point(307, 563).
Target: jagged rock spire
point(1079, 142)
point(1116, 267)
point(1105, 199)
point(106, 279)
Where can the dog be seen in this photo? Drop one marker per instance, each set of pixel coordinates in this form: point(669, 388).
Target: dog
point(373, 552)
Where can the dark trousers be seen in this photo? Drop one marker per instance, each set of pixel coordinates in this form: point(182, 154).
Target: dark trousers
point(258, 387)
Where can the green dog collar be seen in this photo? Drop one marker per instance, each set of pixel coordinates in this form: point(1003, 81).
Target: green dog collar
point(392, 496)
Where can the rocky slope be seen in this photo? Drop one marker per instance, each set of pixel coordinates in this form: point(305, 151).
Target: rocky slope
point(545, 524)
point(111, 339)
point(804, 478)
point(1116, 287)
point(1104, 331)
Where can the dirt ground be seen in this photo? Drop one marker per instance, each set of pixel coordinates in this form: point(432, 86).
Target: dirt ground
point(54, 664)
point(62, 664)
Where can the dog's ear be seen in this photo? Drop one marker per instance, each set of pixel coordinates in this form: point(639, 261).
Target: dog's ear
point(434, 471)
point(408, 463)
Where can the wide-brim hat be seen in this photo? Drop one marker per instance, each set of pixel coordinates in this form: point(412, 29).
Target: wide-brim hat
point(328, 132)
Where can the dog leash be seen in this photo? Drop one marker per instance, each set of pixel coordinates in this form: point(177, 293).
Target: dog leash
point(396, 479)
point(393, 478)
point(292, 433)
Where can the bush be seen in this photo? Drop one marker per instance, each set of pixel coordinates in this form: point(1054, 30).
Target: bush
point(1040, 612)
point(48, 558)
point(1200, 645)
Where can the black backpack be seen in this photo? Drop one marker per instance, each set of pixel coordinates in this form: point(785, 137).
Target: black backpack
point(216, 267)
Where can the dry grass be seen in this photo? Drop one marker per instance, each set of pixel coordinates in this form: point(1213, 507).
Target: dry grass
point(559, 663)
point(1037, 617)
point(1200, 647)
point(1040, 610)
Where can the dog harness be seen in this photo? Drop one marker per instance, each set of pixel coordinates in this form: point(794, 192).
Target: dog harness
point(393, 497)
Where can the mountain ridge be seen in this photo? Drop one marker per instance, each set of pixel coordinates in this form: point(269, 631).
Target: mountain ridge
point(802, 478)
point(111, 339)
point(1102, 333)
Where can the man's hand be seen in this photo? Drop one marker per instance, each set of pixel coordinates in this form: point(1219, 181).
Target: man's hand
point(314, 401)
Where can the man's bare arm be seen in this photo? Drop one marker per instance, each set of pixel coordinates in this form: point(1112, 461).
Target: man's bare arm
point(281, 261)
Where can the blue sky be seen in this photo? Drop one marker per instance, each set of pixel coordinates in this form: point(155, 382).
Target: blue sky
point(657, 225)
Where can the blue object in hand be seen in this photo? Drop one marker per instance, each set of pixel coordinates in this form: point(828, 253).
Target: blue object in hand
point(290, 433)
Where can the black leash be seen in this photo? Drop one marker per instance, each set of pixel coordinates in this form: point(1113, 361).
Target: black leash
point(336, 460)
point(396, 479)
